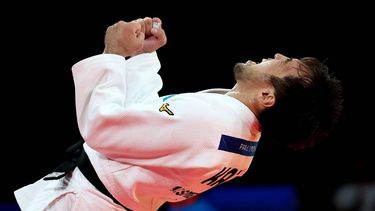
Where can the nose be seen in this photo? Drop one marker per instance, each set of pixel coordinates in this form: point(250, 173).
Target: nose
point(279, 56)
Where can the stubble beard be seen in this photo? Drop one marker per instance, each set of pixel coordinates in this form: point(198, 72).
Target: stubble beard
point(242, 71)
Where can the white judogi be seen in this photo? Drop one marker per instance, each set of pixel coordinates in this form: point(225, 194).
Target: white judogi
point(147, 149)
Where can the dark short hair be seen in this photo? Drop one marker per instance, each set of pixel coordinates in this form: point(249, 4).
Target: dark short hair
point(307, 107)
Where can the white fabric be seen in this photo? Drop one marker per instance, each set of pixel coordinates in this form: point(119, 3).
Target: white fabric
point(146, 150)
point(72, 193)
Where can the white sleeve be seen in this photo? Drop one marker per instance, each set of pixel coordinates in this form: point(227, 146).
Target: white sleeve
point(142, 79)
point(113, 95)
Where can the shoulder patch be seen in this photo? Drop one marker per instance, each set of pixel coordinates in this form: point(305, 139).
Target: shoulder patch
point(237, 145)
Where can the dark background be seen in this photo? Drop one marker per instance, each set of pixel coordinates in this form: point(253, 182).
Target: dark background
point(204, 42)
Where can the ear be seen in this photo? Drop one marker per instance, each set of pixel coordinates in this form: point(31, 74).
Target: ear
point(266, 97)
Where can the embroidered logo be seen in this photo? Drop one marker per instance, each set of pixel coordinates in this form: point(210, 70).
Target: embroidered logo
point(165, 108)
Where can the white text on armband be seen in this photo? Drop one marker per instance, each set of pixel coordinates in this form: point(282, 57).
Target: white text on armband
point(237, 145)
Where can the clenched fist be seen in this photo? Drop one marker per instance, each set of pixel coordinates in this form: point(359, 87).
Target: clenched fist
point(135, 37)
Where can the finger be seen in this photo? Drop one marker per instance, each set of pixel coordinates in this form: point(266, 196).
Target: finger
point(142, 23)
point(134, 29)
point(156, 25)
point(156, 20)
point(140, 36)
point(148, 25)
point(160, 36)
point(134, 26)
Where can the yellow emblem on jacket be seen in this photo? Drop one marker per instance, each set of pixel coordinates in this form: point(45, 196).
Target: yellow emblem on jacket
point(165, 108)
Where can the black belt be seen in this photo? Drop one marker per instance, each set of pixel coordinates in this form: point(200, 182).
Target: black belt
point(77, 157)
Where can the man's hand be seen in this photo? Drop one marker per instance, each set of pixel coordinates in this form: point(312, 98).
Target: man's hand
point(154, 35)
point(133, 38)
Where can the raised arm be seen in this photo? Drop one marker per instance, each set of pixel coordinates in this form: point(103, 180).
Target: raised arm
point(107, 85)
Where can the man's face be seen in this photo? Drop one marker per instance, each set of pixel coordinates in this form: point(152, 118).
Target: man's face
point(280, 66)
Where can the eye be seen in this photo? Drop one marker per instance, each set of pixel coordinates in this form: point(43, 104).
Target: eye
point(287, 60)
